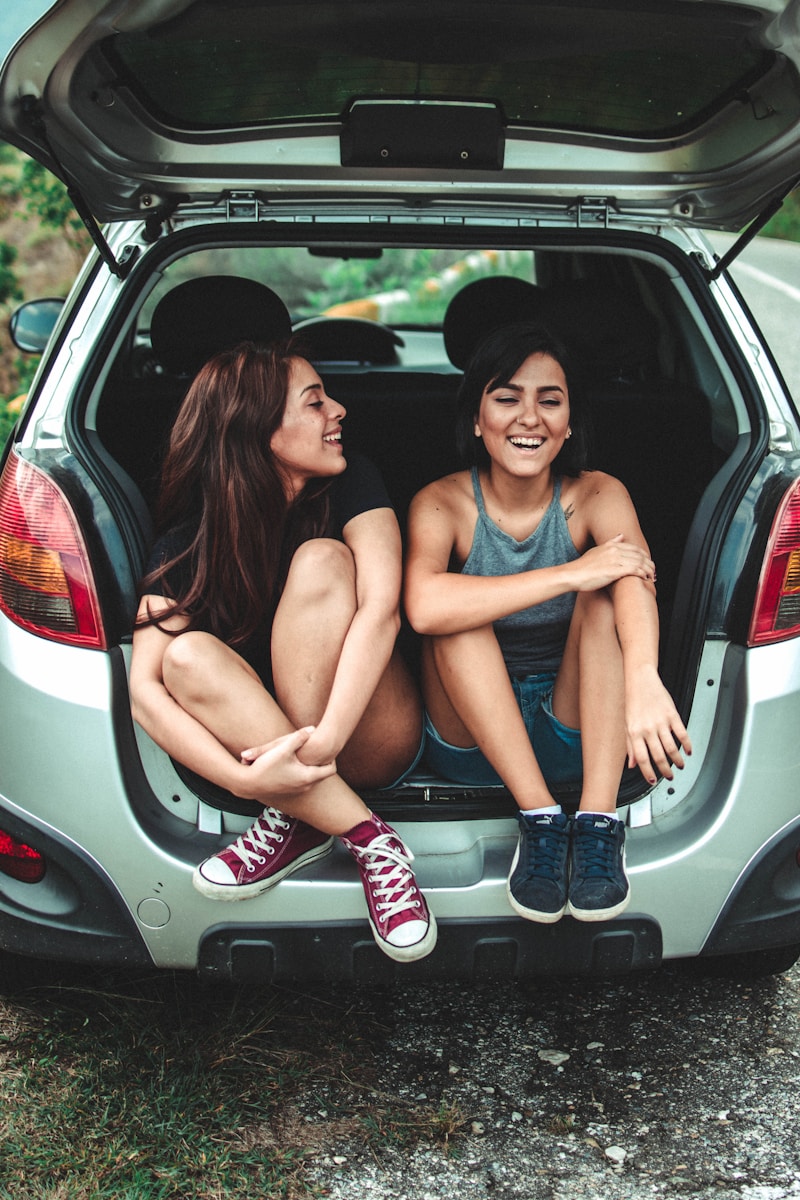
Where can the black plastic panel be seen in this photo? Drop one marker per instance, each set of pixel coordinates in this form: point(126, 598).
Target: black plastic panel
point(474, 950)
point(407, 133)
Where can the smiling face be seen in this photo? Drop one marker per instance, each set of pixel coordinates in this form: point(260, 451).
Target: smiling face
point(525, 422)
point(308, 443)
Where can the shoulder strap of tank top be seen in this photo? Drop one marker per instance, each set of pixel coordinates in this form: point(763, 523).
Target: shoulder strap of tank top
point(478, 492)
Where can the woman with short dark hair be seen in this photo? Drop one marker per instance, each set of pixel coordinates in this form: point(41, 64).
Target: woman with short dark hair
point(534, 585)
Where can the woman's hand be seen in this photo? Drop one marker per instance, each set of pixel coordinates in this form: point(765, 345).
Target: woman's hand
point(656, 735)
point(610, 561)
point(276, 770)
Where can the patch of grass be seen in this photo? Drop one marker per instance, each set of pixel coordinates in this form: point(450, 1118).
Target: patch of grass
point(160, 1089)
point(397, 1128)
point(147, 1097)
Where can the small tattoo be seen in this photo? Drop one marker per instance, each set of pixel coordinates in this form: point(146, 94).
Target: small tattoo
point(568, 511)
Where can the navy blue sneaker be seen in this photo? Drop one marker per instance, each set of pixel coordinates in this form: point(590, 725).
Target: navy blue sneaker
point(537, 883)
point(599, 888)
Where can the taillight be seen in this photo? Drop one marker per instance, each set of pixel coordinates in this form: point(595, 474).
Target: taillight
point(20, 861)
point(776, 615)
point(46, 582)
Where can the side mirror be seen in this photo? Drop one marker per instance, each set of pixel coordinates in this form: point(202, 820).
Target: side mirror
point(31, 324)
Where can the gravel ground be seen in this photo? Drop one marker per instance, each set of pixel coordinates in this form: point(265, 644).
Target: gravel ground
point(661, 1085)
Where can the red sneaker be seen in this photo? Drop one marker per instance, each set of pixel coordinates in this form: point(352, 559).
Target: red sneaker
point(401, 922)
point(273, 847)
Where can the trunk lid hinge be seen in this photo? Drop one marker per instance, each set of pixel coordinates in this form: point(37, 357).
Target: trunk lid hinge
point(592, 210)
point(746, 237)
point(118, 266)
point(242, 206)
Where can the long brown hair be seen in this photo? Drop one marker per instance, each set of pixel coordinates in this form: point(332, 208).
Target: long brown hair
point(221, 481)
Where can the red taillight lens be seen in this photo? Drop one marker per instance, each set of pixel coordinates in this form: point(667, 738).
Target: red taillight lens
point(46, 582)
point(20, 861)
point(776, 615)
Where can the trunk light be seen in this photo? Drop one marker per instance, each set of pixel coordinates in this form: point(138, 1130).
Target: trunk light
point(46, 582)
point(20, 861)
point(776, 614)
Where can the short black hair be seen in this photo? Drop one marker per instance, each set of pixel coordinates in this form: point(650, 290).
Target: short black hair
point(494, 363)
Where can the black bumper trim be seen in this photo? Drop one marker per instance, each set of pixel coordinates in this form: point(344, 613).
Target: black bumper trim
point(763, 912)
point(473, 950)
point(94, 926)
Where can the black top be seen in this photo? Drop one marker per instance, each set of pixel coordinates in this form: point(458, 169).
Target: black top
point(358, 489)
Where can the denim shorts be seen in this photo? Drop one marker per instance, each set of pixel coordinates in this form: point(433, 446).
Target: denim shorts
point(412, 766)
point(556, 746)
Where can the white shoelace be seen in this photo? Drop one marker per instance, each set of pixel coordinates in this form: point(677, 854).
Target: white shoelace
point(388, 872)
point(252, 845)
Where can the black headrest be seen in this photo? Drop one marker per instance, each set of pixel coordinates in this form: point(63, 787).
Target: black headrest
point(483, 306)
point(348, 339)
point(610, 335)
point(203, 316)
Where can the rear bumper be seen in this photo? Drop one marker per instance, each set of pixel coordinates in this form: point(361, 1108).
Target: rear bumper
point(711, 869)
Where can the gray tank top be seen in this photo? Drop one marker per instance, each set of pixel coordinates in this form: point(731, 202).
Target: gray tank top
point(532, 640)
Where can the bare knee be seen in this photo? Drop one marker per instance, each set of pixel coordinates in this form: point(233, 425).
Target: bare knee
point(188, 666)
point(321, 569)
point(595, 610)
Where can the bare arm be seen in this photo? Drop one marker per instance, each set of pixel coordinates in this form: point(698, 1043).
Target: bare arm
point(439, 601)
point(374, 540)
point(654, 730)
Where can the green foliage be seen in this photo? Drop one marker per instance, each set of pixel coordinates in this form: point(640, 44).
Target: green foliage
point(48, 201)
point(424, 281)
point(25, 369)
point(7, 422)
point(353, 278)
point(9, 286)
point(786, 222)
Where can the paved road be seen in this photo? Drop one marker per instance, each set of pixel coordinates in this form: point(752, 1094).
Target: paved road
point(658, 1086)
point(768, 276)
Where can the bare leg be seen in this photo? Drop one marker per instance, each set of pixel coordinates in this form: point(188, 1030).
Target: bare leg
point(215, 686)
point(589, 695)
point(387, 738)
point(470, 700)
point(317, 607)
point(221, 691)
point(315, 612)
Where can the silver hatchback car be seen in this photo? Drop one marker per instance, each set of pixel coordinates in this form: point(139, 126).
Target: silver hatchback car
point(390, 172)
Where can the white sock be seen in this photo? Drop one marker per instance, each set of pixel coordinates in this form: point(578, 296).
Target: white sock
point(549, 808)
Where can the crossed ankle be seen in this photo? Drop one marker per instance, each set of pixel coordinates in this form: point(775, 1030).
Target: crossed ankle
point(401, 922)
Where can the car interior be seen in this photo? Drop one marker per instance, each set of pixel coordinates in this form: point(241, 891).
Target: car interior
point(659, 408)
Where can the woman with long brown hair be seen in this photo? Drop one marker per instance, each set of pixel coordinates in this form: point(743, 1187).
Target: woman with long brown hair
point(264, 653)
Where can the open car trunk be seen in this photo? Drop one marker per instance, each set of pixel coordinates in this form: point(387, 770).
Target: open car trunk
point(661, 406)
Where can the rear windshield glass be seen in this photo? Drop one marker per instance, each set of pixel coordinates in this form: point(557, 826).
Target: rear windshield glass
point(401, 287)
point(226, 63)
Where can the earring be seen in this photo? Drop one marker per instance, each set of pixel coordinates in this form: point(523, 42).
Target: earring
point(569, 432)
